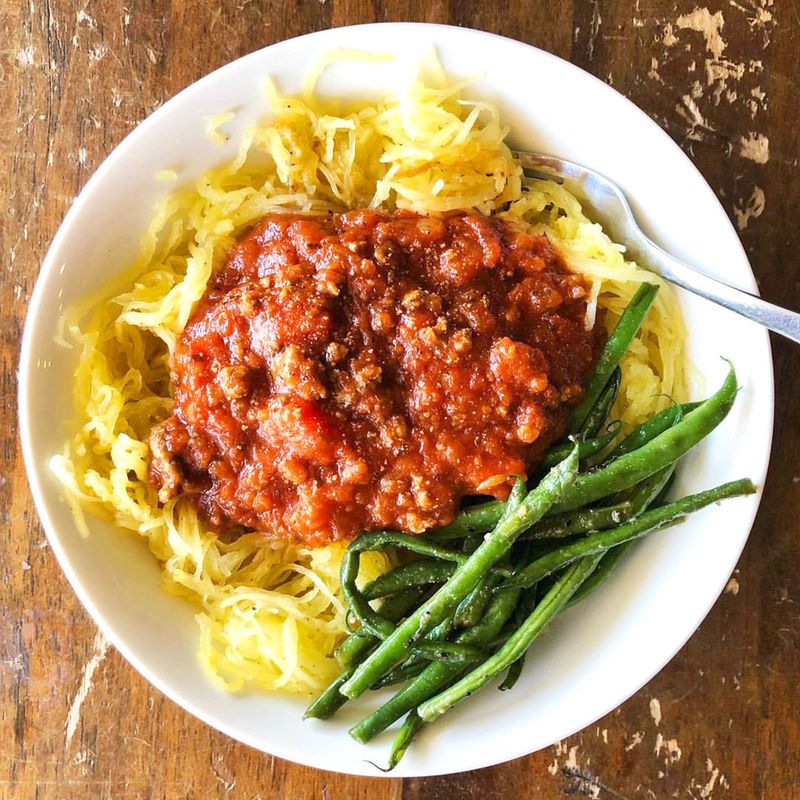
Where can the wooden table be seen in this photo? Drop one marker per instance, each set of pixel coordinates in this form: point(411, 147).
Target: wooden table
point(721, 720)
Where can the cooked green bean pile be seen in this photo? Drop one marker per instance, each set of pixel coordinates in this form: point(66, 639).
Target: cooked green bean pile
point(479, 591)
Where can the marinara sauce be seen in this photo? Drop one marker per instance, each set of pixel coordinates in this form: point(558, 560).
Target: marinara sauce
point(368, 370)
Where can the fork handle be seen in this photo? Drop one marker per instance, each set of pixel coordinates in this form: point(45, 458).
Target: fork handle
point(780, 320)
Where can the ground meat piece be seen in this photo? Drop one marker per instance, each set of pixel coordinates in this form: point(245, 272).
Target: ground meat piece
point(235, 381)
point(368, 370)
point(165, 471)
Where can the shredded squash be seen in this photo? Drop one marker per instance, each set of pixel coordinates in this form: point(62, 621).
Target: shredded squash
point(270, 613)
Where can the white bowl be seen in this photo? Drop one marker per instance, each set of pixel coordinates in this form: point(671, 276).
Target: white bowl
point(598, 654)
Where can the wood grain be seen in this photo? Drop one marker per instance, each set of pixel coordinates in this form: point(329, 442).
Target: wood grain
point(77, 722)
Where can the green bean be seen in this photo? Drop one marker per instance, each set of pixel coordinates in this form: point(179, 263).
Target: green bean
point(503, 636)
point(650, 428)
point(551, 604)
point(352, 649)
point(562, 524)
point(441, 631)
point(353, 646)
point(405, 576)
point(372, 621)
point(616, 346)
point(608, 563)
point(485, 515)
point(612, 558)
point(469, 544)
point(512, 676)
point(438, 674)
point(455, 653)
point(405, 735)
point(649, 522)
point(598, 518)
point(658, 453)
point(416, 662)
point(586, 448)
point(471, 608)
point(522, 510)
point(393, 608)
point(661, 497)
point(331, 700)
point(525, 606)
point(410, 668)
point(602, 408)
point(357, 644)
point(475, 519)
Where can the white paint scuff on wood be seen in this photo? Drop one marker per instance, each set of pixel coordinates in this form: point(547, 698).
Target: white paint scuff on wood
point(671, 748)
point(97, 53)
point(709, 25)
point(655, 710)
point(572, 757)
point(82, 18)
point(217, 767)
point(25, 56)
point(571, 760)
point(726, 77)
point(594, 27)
point(15, 664)
point(653, 73)
point(690, 111)
point(636, 739)
point(733, 585)
point(669, 39)
point(706, 790)
point(100, 649)
point(754, 146)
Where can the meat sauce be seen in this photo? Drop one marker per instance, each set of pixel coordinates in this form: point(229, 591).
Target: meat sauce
point(368, 370)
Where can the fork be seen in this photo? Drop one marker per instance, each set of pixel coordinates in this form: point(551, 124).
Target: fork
point(610, 207)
